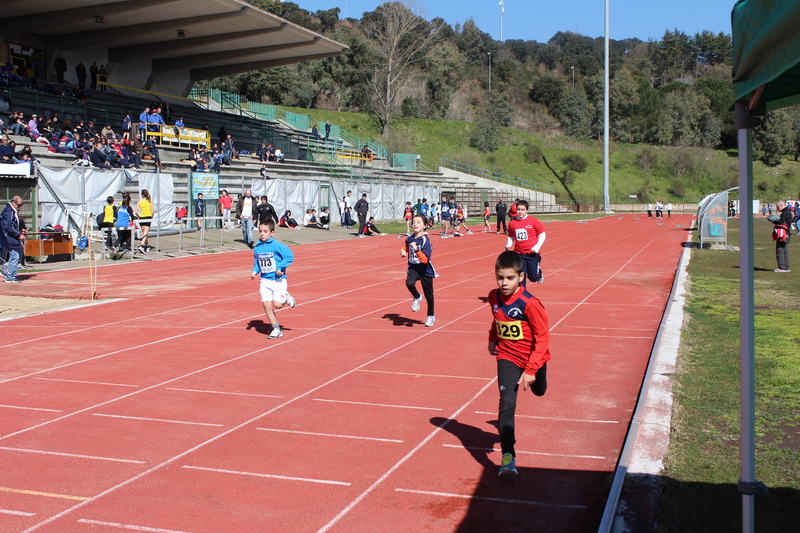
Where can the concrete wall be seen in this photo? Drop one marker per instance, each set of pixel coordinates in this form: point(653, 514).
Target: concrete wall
point(483, 183)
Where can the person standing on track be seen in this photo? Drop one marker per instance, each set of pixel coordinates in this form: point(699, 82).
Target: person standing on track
point(270, 260)
point(500, 209)
point(418, 249)
point(144, 212)
point(362, 208)
point(520, 339)
point(526, 236)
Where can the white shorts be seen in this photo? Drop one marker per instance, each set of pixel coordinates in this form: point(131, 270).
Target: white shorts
point(273, 290)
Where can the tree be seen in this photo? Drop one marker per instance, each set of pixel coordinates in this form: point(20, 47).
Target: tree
point(646, 160)
point(624, 97)
point(773, 138)
point(547, 91)
point(687, 120)
point(399, 40)
point(576, 113)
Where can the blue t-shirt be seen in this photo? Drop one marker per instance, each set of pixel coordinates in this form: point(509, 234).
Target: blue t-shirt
point(270, 256)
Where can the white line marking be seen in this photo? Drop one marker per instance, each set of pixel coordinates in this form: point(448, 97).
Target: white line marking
point(271, 476)
point(379, 404)
point(223, 392)
point(128, 526)
point(17, 513)
point(159, 420)
point(31, 408)
point(556, 418)
point(490, 499)
point(525, 453)
point(72, 455)
point(88, 382)
point(328, 435)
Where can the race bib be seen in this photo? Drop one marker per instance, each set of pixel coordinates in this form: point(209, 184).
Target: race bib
point(522, 234)
point(266, 262)
point(511, 330)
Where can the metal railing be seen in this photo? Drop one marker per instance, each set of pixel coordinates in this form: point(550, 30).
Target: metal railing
point(496, 176)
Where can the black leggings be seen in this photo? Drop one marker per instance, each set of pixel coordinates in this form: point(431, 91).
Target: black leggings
point(427, 287)
point(501, 221)
point(530, 263)
point(508, 375)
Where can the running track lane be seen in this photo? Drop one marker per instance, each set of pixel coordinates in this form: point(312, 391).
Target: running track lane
point(178, 414)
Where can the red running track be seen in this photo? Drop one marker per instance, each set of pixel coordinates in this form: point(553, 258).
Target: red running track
point(170, 411)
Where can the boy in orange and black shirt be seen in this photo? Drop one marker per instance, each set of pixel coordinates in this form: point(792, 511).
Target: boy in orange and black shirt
point(520, 338)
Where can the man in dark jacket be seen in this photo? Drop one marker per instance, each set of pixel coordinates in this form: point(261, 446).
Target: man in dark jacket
point(362, 208)
point(12, 239)
point(98, 158)
point(500, 209)
point(61, 67)
point(781, 235)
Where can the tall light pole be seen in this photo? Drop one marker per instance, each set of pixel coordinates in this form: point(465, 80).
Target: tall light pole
point(573, 76)
point(490, 71)
point(605, 122)
point(502, 9)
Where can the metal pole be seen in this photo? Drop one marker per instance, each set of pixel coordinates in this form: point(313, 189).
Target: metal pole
point(158, 207)
point(490, 71)
point(605, 120)
point(748, 485)
point(573, 76)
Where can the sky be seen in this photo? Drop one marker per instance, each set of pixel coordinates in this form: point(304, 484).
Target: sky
point(538, 21)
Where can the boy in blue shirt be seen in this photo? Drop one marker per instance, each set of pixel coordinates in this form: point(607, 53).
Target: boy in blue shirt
point(270, 260)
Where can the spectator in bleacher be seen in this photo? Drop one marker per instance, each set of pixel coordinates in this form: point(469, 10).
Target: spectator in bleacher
point(6, 150)
point(263, 172)
point(222, 134)
point(263, 153)
point(33, 127)
point(179, 123)
point(217, 161)
point(327, 129)
point(366, 155)
point(18, 127)
point(80, 93)
point(315, 132)
point(279, 157)
point(126, 125)
point(103, 77)
point(61, 67)
point(93, 75)
point(151, 148)
point(143, 117)
point(228, 151)
point(108, 133)
point(131, 155)
point(155, 121)
point(80, 73)
point(90, 129)
point(98, 158)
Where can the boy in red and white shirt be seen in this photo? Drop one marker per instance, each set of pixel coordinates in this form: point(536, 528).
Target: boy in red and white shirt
point(520, 338)
point(526, 236)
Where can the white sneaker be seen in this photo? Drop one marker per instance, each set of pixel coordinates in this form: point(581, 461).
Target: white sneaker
point(541, 278)
point(430, 321)
point(275, 333)
point(470, 233)
point(415, 304)
point(290, 300)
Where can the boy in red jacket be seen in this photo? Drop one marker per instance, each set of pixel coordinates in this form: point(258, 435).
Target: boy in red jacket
point(520, 338)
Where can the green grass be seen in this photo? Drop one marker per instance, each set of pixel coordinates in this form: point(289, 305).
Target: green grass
point(433, 140)
point(703, 464)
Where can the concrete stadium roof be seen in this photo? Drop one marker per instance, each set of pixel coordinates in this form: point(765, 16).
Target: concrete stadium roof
point(219, 37)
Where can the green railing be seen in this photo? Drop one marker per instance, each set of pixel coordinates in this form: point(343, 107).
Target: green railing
point(361, 142)
point(404, 161)
point(496, 176)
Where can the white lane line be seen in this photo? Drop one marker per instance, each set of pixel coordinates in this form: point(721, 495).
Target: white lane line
point(62, 454)
point(88, 382)
point(379, 404)
point(408, 456)
point(128, 526)
point(601, 336)
point(31, 408)
point(159, 420)
point(490, 499)
point(556, 418)
point(271, 476)
point(328, 435)
point(223, 392)
point(525, 453)
point(17, 513)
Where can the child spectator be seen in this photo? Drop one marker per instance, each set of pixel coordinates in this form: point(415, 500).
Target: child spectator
point(311, 216)
point(526, 236)
point(370, 230)
point(288, 222)
point(225, 205)
point(418, 249)
point(513, 210)
point(124, 221)
point(520, 339)
point(325, 217)
point(434, 215)
point(108, 220)
point(270, 260)
point(199, 210)
point(407, 214)
point(181, 214)
point(487, 214)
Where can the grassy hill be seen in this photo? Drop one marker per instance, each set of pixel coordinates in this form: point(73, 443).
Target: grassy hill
point(705, 171)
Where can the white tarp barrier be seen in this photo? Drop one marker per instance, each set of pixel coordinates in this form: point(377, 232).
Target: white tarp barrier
point(162, 192)
point(386, 201)
point(79, 189)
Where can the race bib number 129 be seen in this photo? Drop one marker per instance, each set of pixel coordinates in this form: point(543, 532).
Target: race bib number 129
point(511, 330)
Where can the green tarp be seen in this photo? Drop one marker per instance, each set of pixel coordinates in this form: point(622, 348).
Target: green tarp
point(766, 51)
